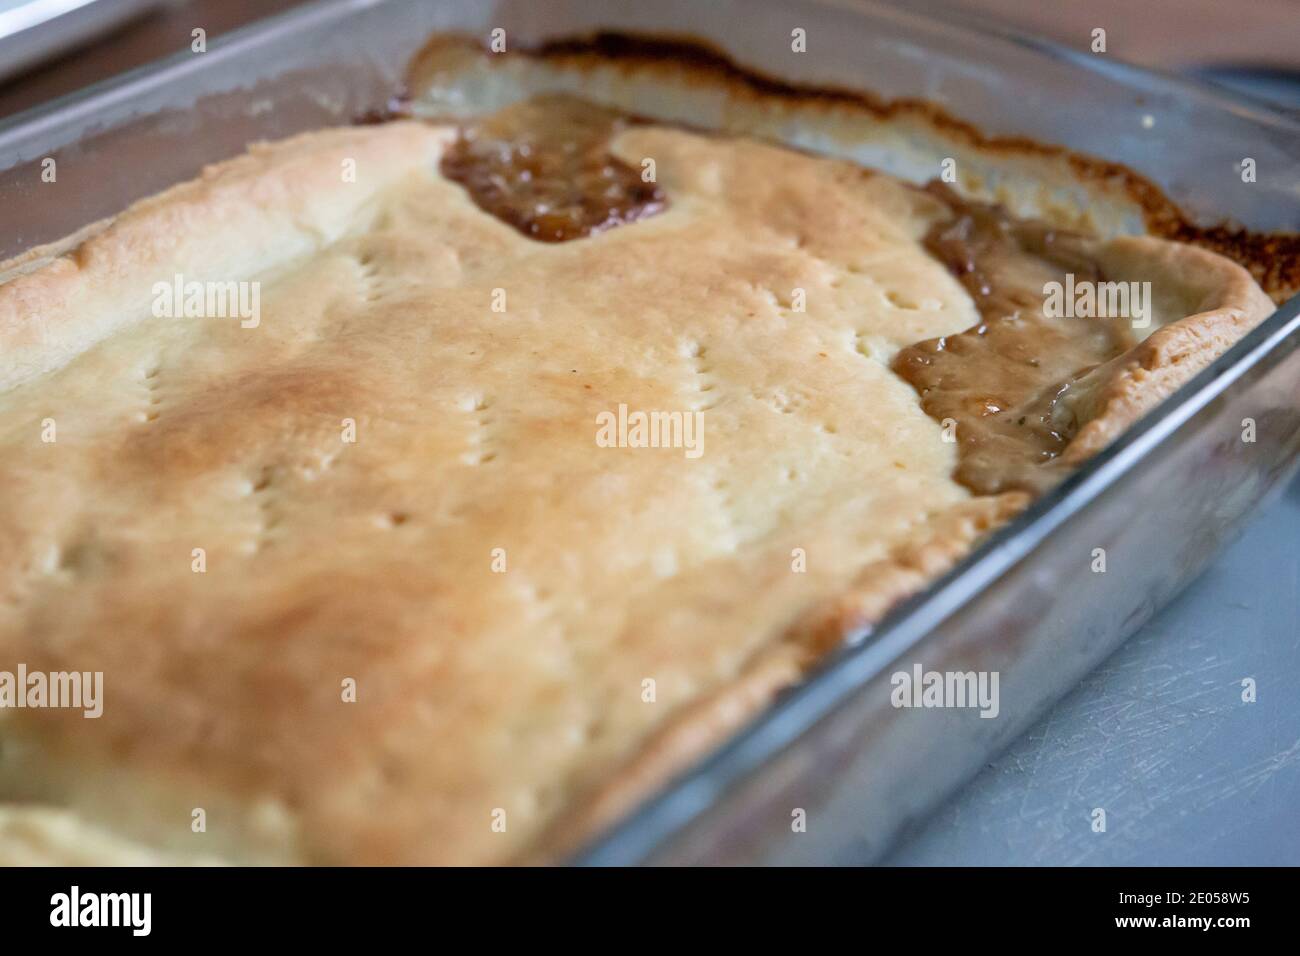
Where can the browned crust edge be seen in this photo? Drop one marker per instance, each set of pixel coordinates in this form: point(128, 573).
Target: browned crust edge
point(1272, 258)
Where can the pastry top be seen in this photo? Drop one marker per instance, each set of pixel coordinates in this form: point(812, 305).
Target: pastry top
point(367, 580)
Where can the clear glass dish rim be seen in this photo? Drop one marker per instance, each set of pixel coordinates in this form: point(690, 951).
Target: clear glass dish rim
point(180, 63)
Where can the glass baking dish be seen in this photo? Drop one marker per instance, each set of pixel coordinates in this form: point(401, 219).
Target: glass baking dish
point(1161, 501)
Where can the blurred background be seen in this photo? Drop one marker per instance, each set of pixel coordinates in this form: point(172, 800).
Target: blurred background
point(52, 47)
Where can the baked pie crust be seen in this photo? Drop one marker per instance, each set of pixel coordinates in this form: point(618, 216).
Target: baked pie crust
point(538, 630)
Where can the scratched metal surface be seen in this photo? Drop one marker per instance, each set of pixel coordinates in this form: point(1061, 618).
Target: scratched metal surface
point(1159, 737)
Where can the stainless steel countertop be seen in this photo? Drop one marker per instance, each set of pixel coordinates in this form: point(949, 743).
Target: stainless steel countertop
point(1159, 737)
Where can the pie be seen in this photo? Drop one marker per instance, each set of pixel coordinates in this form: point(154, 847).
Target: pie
point(430, 492)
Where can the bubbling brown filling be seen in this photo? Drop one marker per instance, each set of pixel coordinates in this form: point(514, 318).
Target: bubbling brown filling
point(1002, 380)
point(544, 166)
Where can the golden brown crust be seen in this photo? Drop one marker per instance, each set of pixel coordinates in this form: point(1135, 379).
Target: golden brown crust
point(271, 199)
point(521, 691)
point(372, 561)
point(947, 537)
